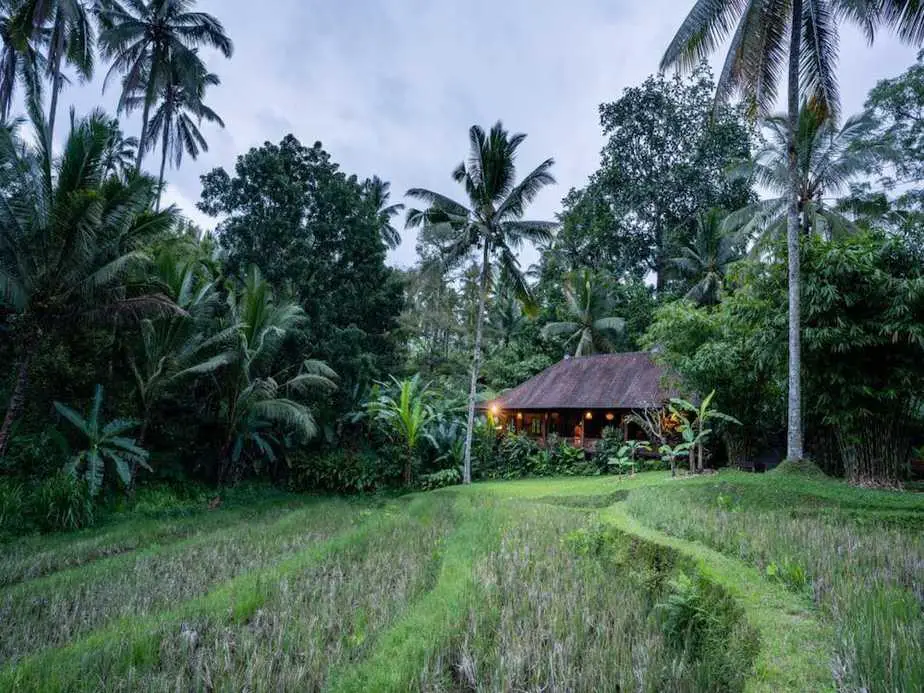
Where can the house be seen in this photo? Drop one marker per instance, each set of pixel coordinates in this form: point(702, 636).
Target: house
point(578, 397)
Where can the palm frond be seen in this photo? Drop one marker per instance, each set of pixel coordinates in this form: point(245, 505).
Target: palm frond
point(817, 63)
point(703, 30)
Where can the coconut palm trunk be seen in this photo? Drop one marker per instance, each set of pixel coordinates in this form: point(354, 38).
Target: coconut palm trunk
point(142, 141)
point(17, 401)
point(794, 428)
point(476, 364)
point(55, 91)
point(163, 167)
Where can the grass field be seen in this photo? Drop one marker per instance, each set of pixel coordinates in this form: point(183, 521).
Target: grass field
point(724, 583)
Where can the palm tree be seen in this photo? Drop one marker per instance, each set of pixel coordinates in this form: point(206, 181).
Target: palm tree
point(173, 120)
point(830, 158)
point(493, 222)
point(19, 60)
point(588, 305)
point(705, 261)
point(68, 239)
point(379, 193)
point(119, 157)
point(260, 401)
point(403, 408)
point(178, 347)
point(66, 29)
point(147, 41)
point(798, 38)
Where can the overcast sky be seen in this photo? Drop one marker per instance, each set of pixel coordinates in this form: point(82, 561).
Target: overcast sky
point(392, 86)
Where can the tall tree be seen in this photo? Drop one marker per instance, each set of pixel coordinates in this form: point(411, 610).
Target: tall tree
point(830, 158)
point(798, 39)
point(66, 27)
point(492, 221)
point(379, 192)
point(68, 239)
point(147, 42)
point(20, 60)
point(119, 155)
point(310, 228)
point(897, 201)
point(177, 117)
point(664, 161)
point(589, 323)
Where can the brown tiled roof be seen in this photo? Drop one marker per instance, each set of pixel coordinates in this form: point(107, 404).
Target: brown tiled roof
point(601, 381)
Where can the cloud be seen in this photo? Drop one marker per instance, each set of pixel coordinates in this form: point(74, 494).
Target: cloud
point(391, 86)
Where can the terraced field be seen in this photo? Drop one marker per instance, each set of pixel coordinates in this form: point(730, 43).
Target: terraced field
point(724, 583)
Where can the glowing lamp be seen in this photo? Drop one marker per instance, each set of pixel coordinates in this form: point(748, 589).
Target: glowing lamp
point(610, 416)
point(519, 415)
point(495, 409)
point(589, 415)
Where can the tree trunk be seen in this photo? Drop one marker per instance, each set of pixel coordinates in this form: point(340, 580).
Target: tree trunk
point(476, 365)
point(163, 166)
point(145, 116)
point(794, 427)
point(17, 401)
point(53, 109)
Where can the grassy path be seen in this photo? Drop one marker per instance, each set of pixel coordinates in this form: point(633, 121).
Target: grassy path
point(794, 645)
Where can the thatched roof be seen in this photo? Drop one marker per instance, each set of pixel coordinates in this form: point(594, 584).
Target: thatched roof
point(601, 381)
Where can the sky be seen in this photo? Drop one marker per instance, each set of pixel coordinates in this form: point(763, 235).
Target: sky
point(391, 87)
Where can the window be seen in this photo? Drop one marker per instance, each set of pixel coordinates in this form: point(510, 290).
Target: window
point(535, 426)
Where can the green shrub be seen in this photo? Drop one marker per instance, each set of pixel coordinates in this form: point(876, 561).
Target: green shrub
point(343, 471)
point(62, 503)
point(569, 460)
point(701, 621)
point(684, 614)
point(440, 479)
point(608, 446)
point(37, 454)
point(516, 456)
point(790, 573)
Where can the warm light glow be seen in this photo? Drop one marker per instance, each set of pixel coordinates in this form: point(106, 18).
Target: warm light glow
point(610, 416)
point(589, 415)
point(495, 409)
point(519, 415)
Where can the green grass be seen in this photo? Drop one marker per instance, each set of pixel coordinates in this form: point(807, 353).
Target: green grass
point(31, 557)
point(60, 607)
point(855, 555)
point(733, 582)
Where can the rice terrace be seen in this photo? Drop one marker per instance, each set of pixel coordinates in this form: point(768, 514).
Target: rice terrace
point(318, 374)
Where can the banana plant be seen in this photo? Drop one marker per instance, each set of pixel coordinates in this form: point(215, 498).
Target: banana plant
point(694, 428)
point(671, 453)
point(104, 442)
